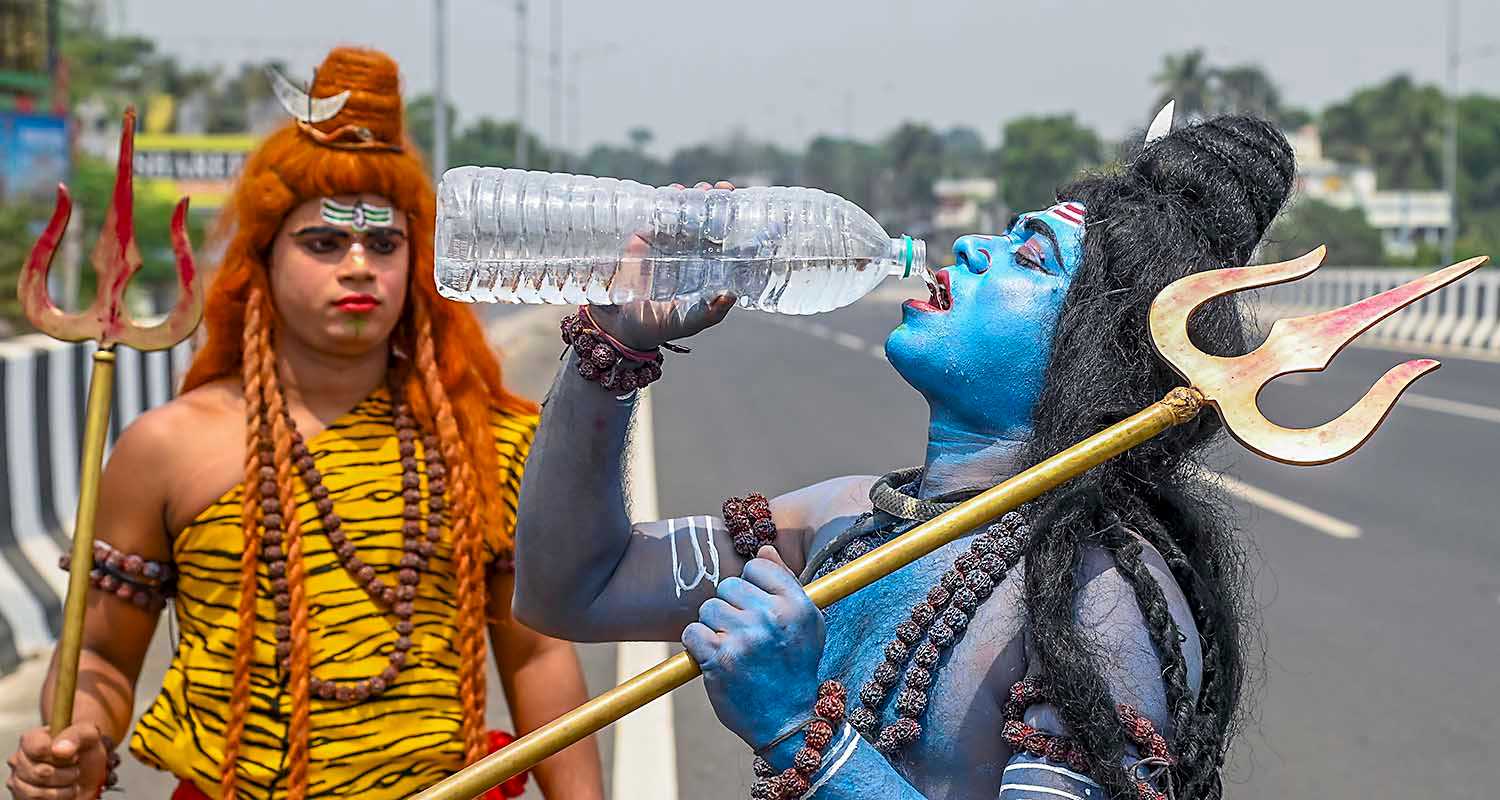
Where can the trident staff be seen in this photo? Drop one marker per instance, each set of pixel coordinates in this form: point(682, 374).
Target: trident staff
point(1228, 384)
point(107, 321)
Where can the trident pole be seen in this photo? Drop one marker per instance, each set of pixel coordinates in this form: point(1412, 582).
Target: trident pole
point(440, 92)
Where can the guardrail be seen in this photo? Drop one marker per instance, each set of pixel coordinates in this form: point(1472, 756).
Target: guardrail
point(1464, 317)
point(44, 386)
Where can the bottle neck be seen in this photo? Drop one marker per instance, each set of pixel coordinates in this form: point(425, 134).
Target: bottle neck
point(907, 258)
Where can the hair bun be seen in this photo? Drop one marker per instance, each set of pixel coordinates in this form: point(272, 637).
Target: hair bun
point(1233, 173)
point(374, 110)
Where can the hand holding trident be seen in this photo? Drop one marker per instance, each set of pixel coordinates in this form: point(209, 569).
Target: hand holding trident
point(1229, 384)
point(115, 260)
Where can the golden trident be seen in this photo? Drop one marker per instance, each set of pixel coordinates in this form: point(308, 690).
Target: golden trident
point(115, 260)
point(1229, 384)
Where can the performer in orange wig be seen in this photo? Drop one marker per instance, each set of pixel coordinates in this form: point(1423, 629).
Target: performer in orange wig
point(328, 505)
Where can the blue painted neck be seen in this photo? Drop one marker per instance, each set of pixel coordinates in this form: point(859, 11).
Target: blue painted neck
point(959, 457)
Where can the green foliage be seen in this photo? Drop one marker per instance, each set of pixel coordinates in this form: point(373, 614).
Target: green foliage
point(92, 187)
point(1350, 238)
point(846, 167)
point(914, 155)
point(1396, 127)
point(738, 156)
point(419, 118)
point(19, 226)
point(1040, 154)
point(1481, 236)
point(1186, 79)
point(624, 162)
point(1478, 156)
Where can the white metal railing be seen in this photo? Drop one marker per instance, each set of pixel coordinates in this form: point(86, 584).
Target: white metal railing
point(1464, 316)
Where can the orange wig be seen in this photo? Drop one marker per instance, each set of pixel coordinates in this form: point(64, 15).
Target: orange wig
point(448, 374)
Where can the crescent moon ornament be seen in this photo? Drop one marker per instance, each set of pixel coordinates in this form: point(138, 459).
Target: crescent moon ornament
point(1161, 125)
point(302, 106)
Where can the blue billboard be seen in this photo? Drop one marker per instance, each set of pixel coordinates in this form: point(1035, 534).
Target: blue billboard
point(33, 154)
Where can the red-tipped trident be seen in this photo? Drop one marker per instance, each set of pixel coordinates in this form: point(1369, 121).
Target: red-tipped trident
point(115, 260)
point(1229, 384)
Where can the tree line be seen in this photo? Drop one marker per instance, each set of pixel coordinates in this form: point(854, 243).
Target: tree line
point(1396, 127)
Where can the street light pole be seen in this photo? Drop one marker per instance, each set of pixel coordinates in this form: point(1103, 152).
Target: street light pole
point(576, 58)
point(1450, 149)
point(555, 100)
point(521, 84)
point(440, 94)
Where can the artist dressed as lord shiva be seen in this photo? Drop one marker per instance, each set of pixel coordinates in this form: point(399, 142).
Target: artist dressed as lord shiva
point(1088, 645)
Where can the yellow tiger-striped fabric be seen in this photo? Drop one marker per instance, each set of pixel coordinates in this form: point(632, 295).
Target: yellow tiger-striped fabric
point(387, 746)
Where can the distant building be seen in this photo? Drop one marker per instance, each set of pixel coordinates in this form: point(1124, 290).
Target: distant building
point(966, 205)
point(1405, 218)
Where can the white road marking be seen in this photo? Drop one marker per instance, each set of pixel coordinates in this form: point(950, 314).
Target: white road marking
point(1291, 509)
point(645, 754)
point(1455, 407)
point(848, 340)
point(1426, 402)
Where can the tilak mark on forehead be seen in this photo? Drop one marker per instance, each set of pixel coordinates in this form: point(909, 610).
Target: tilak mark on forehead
point(1069, 213)
point(359, 216)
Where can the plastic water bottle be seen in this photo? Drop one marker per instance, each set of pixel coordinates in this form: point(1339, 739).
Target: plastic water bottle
point(512, 236)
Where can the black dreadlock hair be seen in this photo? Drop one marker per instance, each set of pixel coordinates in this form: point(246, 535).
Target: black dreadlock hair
point(1199, 198)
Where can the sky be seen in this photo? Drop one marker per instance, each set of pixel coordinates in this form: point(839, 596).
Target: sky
point(786, 70)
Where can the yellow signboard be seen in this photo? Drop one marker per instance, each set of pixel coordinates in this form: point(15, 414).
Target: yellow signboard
point(199, 166)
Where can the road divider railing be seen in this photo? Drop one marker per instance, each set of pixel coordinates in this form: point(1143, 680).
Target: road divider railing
point(44, 385)
point(1462, 318)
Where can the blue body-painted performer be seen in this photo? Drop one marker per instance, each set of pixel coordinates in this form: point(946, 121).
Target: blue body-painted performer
point(1086, 646)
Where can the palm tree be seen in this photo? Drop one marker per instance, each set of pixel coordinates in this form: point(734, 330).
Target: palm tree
point(1185, 77)
point(1246, 89)
point(640, 138)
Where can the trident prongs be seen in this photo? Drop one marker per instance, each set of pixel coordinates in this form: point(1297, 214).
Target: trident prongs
point(115, 260)
point(1300, 344)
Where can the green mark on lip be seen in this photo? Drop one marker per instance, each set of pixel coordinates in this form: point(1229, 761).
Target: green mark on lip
point(359, 326)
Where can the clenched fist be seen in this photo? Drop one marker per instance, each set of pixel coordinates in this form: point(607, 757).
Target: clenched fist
point(69, 766)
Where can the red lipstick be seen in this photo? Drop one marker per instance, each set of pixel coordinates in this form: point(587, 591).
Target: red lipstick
point(357, 303)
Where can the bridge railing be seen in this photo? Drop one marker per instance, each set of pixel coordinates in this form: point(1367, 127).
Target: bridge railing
point(1463, 317)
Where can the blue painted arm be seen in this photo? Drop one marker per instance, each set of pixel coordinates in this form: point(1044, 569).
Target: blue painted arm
point(583, 571)
point(852, 768)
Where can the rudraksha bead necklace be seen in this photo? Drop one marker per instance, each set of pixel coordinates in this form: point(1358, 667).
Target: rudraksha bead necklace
point(418, 545)
point(934, 625)
point(1063, 750)
point(938, 622)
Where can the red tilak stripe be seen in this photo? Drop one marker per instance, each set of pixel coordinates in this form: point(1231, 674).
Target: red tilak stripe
point(1073, 218)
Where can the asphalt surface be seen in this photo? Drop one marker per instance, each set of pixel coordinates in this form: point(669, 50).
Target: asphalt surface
point(1381, 650)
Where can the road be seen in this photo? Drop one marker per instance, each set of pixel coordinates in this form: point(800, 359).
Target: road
point(1378, 578)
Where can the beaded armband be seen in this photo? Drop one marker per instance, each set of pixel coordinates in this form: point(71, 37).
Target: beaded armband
point(145, 583)
point(1064, 751)
point(794, 781)
point(608, 361)
point(749, 521)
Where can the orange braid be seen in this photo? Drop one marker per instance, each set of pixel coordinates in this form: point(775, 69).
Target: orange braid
point(244, 647)
point(299, 677)
point(467, 520)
